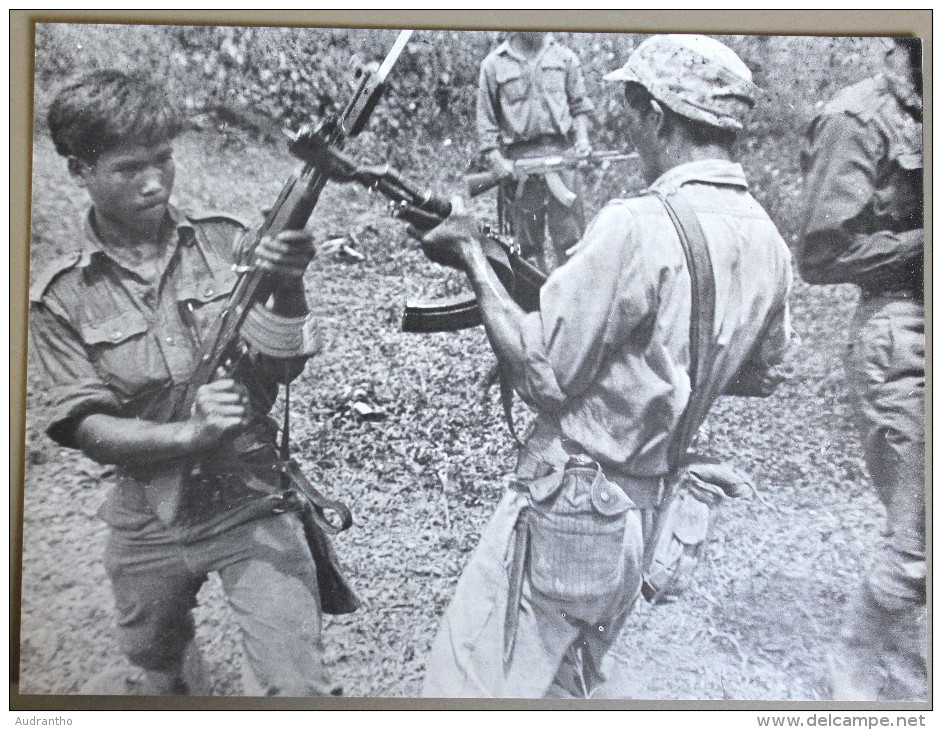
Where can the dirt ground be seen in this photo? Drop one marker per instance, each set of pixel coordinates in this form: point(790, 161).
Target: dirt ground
point(422, 480)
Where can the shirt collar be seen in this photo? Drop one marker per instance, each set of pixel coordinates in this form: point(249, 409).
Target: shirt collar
point(506, 48)
point(712, 172)
point(903, 89)
point(92, 246)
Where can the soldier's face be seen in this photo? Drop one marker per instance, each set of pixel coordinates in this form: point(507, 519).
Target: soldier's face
point(643, 128)
point(532, 38)
point(129, 184)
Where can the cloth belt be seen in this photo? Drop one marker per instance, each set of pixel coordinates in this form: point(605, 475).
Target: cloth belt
point(645, 492)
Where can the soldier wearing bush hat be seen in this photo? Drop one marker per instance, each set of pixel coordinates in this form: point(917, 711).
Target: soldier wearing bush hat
point(603, 489)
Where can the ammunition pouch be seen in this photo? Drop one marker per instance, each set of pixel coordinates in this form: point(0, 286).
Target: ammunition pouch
point(577, 521)
point(682, 526)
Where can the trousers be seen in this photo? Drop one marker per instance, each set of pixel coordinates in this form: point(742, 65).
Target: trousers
point(559, 644)
point(886, 371)
point(533, 211)
point(270, 582)
point(882, 641)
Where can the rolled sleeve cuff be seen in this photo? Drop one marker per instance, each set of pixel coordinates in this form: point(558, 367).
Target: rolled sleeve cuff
point(65, 408)
point(541, 388)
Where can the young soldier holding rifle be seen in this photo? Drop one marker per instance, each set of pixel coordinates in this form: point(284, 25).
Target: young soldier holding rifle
point(117, 328)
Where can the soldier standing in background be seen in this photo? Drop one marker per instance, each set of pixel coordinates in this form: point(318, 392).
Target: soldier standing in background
point(532, 103)
point(863, 224)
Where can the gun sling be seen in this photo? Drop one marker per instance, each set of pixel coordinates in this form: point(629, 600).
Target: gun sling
point(702, 316)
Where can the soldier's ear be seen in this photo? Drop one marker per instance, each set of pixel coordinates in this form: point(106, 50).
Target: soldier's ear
point(659, 118)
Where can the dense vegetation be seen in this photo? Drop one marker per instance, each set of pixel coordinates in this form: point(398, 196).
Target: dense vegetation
point(263, 79)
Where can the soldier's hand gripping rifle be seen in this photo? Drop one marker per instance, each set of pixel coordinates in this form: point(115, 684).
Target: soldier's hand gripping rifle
point(550, 167)
point(223, 346)
point(423, 211)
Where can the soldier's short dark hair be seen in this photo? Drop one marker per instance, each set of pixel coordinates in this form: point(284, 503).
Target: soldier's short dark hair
point(639, 98)
point(107, 108)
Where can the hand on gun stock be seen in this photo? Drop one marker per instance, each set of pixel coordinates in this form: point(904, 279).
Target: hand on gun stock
point(582, 148)
point(500, 165)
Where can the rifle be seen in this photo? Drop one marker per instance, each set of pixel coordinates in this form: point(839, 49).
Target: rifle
point(481, 182)
point(423, 211)
point(223, 346)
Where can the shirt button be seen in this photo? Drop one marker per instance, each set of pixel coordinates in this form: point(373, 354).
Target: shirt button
point(209, 291)
point(603, 496)
point(116, 335)
point(169, 340)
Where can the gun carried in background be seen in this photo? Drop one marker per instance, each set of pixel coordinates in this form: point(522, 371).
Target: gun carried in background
point(550, 166)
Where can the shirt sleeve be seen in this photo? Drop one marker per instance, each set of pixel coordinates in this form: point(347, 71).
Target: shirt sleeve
point(485, 113)
point(765, 368)
point(837, 245)
point(590, 304)
point(72, 386)
point(271, 369)
point(579, 102)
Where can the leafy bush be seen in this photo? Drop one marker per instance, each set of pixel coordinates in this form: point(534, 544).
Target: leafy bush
point(267, 78)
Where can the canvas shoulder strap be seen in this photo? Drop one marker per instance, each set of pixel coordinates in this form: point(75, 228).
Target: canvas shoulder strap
point(702, 315)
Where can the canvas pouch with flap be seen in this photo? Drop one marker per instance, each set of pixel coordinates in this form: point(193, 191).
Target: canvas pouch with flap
point(577, 521)
point(677, 546)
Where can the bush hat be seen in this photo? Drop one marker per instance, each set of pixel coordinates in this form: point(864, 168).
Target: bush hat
point(695, 76)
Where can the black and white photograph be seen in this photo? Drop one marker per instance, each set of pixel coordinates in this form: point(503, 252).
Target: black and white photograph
point(384, 362)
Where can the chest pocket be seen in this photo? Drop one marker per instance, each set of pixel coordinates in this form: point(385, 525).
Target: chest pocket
point(125, 353)
point(512, 85)
point(204, 299)
point(553, 78)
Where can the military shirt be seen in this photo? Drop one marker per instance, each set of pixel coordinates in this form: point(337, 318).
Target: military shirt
point(862, 217)
point(608, 352)
point(520, 99)
point(105, 339)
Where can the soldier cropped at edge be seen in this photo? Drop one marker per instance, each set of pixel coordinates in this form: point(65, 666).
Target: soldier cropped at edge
point(863, 224)
point(532, 103)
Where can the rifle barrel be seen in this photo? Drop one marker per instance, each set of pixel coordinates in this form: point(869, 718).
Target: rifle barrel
point(481, 182)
